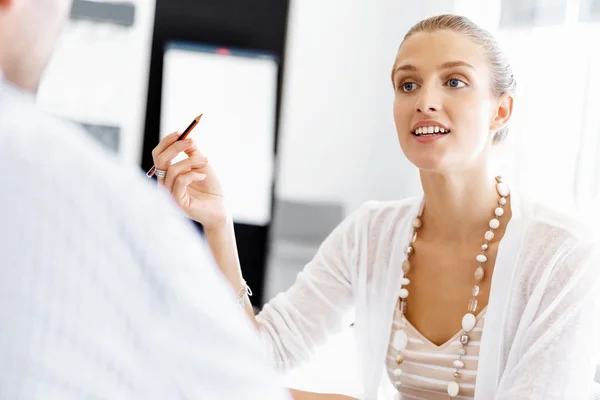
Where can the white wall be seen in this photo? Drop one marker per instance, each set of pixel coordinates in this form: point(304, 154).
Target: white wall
point(389, 174)
point(330, 100)
point(337, 137)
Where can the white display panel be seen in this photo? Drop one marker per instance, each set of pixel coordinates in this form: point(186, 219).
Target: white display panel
point(98, 76)
point(237, 94)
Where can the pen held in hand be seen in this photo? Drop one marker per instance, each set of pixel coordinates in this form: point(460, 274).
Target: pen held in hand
point(185, 133)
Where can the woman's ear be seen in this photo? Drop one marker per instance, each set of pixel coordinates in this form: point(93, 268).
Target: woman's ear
point(503, 113)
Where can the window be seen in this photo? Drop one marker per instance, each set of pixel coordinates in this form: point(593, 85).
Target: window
point(530, 13)
point(555, 134)
point(589, 11)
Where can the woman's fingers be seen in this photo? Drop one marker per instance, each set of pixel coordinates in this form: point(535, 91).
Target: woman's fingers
point(162, 146)
point(183, 181)
point(164, 159)
point(182, 167)
point(193, 152)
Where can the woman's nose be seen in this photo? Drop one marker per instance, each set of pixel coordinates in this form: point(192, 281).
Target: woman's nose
point(429, 101)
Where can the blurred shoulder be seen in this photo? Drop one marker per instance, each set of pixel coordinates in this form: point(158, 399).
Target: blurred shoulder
point(56, 162)
point(61, 156)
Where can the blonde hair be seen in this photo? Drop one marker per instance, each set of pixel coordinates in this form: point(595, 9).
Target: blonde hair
point(503, 80)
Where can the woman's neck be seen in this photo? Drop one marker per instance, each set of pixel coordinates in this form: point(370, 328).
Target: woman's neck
point(459, 206)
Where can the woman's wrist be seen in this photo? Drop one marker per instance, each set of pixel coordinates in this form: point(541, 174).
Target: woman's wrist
point(222, 243)
point(223, 224)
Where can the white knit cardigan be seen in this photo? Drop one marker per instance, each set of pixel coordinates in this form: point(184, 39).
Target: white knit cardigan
point(538, 339)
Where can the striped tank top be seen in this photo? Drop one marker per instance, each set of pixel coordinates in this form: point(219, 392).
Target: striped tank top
point(427, 369)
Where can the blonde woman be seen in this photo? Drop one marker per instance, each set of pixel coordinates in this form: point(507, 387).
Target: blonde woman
point(469, 291)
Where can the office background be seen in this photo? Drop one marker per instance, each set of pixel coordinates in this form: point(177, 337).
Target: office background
point(334, 143)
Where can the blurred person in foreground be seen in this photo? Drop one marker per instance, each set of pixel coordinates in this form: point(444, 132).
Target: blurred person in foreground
point(106, 291)
point(468, 291)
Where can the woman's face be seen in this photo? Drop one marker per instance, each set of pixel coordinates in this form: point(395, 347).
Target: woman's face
point(444, 107)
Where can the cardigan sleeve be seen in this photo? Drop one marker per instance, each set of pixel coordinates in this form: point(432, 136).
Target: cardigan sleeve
point(557, 357)
point(294, 323)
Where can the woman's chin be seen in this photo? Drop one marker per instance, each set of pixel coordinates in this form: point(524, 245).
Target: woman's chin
point(427, 162)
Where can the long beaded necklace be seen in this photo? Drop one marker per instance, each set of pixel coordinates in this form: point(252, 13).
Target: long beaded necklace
point(400, 340)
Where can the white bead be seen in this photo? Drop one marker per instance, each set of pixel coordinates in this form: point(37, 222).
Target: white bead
point(472, 305)
point(462, 351)
point(397, 386)
point(405, 281)
point(502, 201)
point(403, 293)
point(499, 211)
point(481, 258)
point(398, 396)
point(400, 340)
point(479, 274)
point(397, 372)
point(406, 266)
point(453, 389)
point(489, 235)
point(459, 364)
point(494, 223)
point(468, 322)
point(503, 189)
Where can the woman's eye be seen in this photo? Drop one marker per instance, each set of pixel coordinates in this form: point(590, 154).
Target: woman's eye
point(456, 83)
point(408, 86)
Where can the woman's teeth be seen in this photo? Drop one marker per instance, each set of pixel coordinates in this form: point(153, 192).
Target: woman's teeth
point(430, 130)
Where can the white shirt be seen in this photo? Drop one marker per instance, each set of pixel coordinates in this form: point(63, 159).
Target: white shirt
point(538, 338)
point(106, 290)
